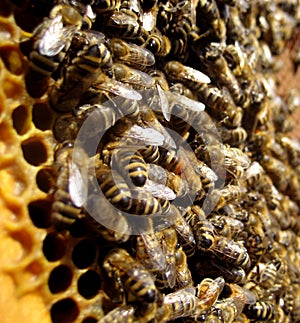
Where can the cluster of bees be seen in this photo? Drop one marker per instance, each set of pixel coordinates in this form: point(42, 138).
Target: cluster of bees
point(173, 148)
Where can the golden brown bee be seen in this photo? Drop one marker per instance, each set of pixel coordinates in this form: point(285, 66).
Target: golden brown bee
point(149, 252)
point(226, 226)
point(106, 7)
point(183, 274)
point(158, 44)
point(132, 276)
point(124, 313)
point(168, 241)
point(233, 136)
point(70, 192)
point(221, 197)
point(144, 203)
point(150, 154)
point(261, 310)
point(133, 55)
point(292, 145)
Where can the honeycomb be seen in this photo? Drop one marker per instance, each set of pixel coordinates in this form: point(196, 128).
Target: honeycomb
point(50, 275)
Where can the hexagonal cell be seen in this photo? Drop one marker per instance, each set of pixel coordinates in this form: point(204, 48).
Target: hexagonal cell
point(39, 212)
point(42, 116)
point(64, 311)
point(89, 284)
point(45, 179)
point(34, 151)
point(12, 59)
point(54, 246)
point(60, 279)
point(83, 254)
point(21, 119)
point(90, 319)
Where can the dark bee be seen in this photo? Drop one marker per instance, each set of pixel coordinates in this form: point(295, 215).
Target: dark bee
point(70, 192)
point(227, 226)
point(262, 311)
point(150, 154)
point(84, 70)
point(132, 276)
point(233, 136)
point(114, 187)
point(158, 44)
point(131, 165)
point(144, 203)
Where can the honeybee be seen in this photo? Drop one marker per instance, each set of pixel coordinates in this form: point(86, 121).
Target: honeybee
point(71, 189)
point(183, 275)
point(160, 175)
point(124, 313)
point(207, 175)
point(144, 203)
point(292, 145)
point(168, 241)
point(133, 77)
point(131, 275)
point(133, 55)
point(208, 17)
point(131, 165)
point(223, 196)
point(114, 187)
point(233, 136)
point(106, 220)
point(179, 304)
point(261, 310)
point(190, 77)
point(106, 7)
point(184, 232)
point(158, 44)
point(92, 61)
point(227, 227)
point(268, 273)
point(49, 49)
point(125, 26)
point(208, 291)
point(149, 252)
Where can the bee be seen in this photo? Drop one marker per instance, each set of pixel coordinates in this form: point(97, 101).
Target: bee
point(52, 41)
point(92, 61)
point(125, 26)
point(223, 196)
point(71, 188)
point(268, 273)
point(162, 176)
point(130, 54)
point(184, 232)
point(124, 313)
point(235, 136)
point(168, 241)
point(133, 77)
point(132, 8)
point(227, 227)
point(207, 175)
point(144, 203)
point(106, 7)
point(209, 19)
point(149, 252)
point(183, 274)
point(292, 145)
point(131, 275)
point(158, 44)
point(131, 165)
point(114, 187)
point(150, 154)
point(179, 304)
point(221, 71)
point(208, 291)
point(261, 310)
point(190, 77)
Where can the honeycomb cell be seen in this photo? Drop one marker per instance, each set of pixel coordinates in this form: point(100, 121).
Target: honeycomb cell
point(64, 311)
point(39, 212)
point(12, 58)
point(60, 279)
point(89, 284)
point(21, 119)
point(34, 151)
point(54, 246)
point(45, 179)
point(83, 254)
point(42, 116)
point(89, 319)
point(24, 238)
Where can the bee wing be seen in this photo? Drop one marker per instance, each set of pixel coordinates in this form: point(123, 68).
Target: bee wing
point(54, 37)
point(140, 55)
point(77, 182)
point(139, 78)
point(164, 102)
point(159, 190)
point(121, 18)
point(154, 251)
point(192, 74)
point(170, 270)
point(118, 88)
point(149, 20)
point(148, 136)
point(208, 291)
point(189, 103)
